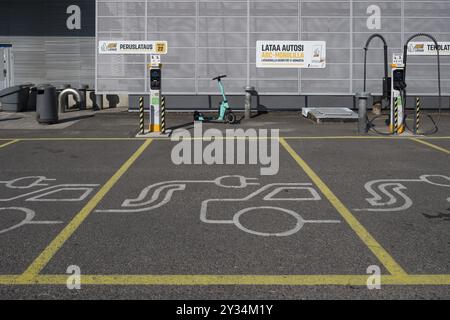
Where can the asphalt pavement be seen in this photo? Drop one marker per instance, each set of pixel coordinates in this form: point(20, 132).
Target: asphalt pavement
point(89, 196)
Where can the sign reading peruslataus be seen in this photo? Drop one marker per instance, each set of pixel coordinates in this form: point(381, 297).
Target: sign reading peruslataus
point(290, 54)
point(428, 49)
point(132, 47)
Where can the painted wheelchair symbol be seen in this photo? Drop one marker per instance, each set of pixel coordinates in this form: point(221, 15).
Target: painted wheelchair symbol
point(388, 195)
point(38, 189)
point(159, 194)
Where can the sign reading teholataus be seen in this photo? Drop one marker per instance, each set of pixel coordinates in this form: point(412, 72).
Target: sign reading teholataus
point(290, 54)
point(428, 48)
point(132, 47)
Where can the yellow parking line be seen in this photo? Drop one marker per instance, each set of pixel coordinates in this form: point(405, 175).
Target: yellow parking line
point(203, 280)
point(418, 280)
point(431, 145)
point(436, 138)
point(42, 260)
point(385, 258)
point(210, 280)
point(361, 138)
point(344, 138)
point(80, 139)
point(268, 138)
point(8, 279)
point(8, 143)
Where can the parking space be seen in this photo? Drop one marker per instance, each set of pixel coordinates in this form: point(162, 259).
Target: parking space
point(398, 189)
point(43, 185)
point(214, 220)
point(122, 211)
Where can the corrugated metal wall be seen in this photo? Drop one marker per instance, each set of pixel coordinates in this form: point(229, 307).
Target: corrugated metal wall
point(55, 60)
point(211, 37)
point(45, 50)
point(208, 37)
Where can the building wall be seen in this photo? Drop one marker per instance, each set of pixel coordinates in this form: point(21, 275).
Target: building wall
point(47, 46)
point(55, 60)
point(208, 37)
point(211, 37)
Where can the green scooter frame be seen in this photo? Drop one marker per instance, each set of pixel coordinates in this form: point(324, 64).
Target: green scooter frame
point(226, 115)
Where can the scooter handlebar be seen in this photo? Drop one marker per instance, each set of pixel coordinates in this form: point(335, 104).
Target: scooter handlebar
point(219, 77)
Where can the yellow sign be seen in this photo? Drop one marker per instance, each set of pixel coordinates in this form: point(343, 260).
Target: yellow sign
point(132, 47)
point(161, 47)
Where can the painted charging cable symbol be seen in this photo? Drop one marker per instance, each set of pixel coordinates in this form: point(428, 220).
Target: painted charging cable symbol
point(243, 182)
point(46, 192)
point(27, 182)
point(159, 194)
point(388, 195)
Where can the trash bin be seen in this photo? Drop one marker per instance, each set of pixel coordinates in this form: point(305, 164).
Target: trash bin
point(83, 91)
point(46, 104)
point(97, 101)
point(31, 105)
point(15, 99)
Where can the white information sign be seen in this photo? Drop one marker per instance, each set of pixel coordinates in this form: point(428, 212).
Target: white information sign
point(132, 47)
point(290, 54)
point(428, 49)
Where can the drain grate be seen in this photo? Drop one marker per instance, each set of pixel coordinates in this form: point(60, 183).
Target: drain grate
point(320, 115)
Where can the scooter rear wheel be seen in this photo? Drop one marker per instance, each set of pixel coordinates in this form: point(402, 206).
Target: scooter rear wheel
point(230, 118)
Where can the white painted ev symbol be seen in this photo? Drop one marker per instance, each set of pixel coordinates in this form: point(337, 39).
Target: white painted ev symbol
point(28, 219)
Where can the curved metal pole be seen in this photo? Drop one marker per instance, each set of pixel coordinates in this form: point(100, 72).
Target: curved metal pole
point(405, 53)
point(366, 48)
point(63, 95)
point(405, 57)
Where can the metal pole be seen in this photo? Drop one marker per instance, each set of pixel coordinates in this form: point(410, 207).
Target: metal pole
point(65, 107)
point(141, 115)
point(163, 115)
point(417, 118)
point(362, 112)
point(397, 101)
point(99, 101)
point(248, 101)
point(83, 90)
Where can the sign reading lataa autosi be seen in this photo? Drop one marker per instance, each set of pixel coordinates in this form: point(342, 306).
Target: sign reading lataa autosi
point(290, 54)
point(132, 47)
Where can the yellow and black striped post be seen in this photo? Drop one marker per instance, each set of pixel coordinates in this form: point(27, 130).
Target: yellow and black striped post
point(163, 114)
point(397, 101)
point(141, 115)
point(417, 118)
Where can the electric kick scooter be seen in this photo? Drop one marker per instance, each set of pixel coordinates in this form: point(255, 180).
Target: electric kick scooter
point(225, 115)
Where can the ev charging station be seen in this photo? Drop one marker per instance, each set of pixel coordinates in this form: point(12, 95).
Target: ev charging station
point(155, 93)
point(394, 87)
point(398, 86)
point(152, 50)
